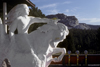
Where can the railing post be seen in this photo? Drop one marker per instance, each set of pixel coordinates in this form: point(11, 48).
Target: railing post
point(77, 53)
point(85, 52)
point(69, 52)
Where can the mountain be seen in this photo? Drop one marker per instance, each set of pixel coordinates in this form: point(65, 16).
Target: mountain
point(72, 22)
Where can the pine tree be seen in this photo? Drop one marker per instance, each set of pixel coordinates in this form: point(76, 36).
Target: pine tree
point(34, 11)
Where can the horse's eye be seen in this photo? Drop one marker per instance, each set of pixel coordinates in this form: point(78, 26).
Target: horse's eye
point(61, 34)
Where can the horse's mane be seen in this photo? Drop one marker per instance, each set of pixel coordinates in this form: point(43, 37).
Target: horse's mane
point(47, 27)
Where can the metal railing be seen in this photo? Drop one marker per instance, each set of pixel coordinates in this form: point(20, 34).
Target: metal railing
point(78, 59)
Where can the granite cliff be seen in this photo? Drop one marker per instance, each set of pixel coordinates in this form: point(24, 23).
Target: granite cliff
point(72, 22)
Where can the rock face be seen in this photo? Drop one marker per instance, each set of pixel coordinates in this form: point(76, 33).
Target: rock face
point(82, 26)
point(72, 22)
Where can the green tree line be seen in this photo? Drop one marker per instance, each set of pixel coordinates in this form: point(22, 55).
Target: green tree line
point(82, 40)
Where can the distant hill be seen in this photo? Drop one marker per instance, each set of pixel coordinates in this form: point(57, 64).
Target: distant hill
point(72, 22)
point(94, 26)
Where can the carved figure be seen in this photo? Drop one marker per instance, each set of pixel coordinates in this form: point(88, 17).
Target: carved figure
point(19, 19)
point(34, 49)
point(58, 36)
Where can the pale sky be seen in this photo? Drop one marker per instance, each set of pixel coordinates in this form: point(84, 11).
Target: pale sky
point(86, 11)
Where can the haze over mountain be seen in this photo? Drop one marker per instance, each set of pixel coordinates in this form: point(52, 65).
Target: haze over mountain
point(72, 22)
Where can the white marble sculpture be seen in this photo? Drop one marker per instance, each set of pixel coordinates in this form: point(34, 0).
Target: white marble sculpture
point(34, 49)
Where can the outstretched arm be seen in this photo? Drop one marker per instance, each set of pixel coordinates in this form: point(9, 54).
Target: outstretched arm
point(42, 20)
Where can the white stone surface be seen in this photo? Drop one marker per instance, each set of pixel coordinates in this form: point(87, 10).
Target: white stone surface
point(34, 49)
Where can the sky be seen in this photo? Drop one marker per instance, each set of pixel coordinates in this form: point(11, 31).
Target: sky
point(86, 11)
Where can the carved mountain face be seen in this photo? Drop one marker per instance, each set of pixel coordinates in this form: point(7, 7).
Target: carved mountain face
point(72, 22)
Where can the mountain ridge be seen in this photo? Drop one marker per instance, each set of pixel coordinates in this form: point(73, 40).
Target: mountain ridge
point(72, 22)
